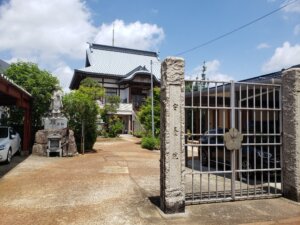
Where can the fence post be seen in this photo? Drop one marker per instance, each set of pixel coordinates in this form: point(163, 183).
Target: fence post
point(172, 196)
point(291, 134)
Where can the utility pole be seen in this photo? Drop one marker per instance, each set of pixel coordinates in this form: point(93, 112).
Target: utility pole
point(113, 35)
point(203, 75)
point(152, 110)
point(82, 137)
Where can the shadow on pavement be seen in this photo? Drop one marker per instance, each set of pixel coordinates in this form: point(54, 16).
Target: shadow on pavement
point(155, 200)
point(90, 151)
point(5, 168)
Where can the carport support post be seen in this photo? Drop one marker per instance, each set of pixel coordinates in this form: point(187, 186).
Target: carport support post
point(26, 132)
point(291, 134)
point(172, 196)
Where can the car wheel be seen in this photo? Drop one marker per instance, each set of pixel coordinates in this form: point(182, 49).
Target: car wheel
point(9, 156)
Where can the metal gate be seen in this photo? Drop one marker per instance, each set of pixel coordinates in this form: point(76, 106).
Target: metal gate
point(214, 173)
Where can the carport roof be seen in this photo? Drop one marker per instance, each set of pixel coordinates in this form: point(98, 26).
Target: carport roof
point(13, 94)
point(14, 84)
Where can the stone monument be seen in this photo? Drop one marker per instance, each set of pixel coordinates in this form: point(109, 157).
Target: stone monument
point(56, 137)
point(56, 120)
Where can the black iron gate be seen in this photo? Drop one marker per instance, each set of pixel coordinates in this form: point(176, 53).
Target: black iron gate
point(214, 173)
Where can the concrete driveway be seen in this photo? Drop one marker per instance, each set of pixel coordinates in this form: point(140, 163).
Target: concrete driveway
point(116, 184)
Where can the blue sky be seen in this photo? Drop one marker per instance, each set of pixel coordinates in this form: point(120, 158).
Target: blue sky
point(54, 33)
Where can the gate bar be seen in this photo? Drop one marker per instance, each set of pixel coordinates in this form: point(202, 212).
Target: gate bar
point(232, 123)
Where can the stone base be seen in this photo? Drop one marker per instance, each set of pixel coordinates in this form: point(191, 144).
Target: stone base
point(68, 143)
point(291, 193)
point(173, 207)
point(39, 149)
point(58, 151)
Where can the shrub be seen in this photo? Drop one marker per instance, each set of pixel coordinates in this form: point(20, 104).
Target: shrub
point(115, 126)
point(150, 143)
point(139, 134)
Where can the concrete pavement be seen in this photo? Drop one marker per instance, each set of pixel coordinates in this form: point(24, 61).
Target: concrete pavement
point(116, 184)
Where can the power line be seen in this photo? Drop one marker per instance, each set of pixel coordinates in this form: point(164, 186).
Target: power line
point(236, 29)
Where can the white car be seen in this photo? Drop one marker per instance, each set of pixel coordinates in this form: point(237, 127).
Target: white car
point(10, 143)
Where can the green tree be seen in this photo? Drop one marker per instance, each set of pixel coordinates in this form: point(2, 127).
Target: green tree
point(144, 113)
point(39, 83)
point(92, 88)
point(82, 110)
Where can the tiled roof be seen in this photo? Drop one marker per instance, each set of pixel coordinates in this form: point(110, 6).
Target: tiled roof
point(274, 75)
point(138, 70)
point(117, 61)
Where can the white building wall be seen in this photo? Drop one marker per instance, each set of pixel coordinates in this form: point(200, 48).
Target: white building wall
point(110, 85)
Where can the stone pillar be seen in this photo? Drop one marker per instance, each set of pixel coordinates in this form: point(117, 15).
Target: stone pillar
point(291, 134)
point(172, 196)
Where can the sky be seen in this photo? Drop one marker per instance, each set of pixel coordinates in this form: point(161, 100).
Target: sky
point(54, 34)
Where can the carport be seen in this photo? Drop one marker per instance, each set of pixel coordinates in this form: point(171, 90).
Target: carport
point(12, 94)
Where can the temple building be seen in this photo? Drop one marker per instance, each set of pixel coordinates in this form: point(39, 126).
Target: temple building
point(123, 72)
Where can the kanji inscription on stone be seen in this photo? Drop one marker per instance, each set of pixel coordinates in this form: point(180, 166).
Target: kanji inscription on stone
point(233, 139)
point(175, 131)
point(175, 106)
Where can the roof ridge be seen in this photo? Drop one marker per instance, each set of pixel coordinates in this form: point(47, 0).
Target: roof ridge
point(123, 50)
point(139, 68)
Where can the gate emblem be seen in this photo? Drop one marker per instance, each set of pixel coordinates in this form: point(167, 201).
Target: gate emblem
point(233, 139)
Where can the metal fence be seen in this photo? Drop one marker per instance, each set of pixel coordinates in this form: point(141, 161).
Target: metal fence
point(212, 172)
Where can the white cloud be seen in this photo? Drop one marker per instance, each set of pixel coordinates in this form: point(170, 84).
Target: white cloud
point(132, 35)
point(46, 29)
point(297, 29)
point(53, 33)
point(263, 46)
point(283, 57)
point(14, 60)
point(294, 7)
point(64, 74)
point(212, 72)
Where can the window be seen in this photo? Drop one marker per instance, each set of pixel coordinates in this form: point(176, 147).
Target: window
point(111, 91)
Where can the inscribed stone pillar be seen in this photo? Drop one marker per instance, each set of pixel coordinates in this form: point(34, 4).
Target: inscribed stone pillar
point(172, 196)
point(291, 134)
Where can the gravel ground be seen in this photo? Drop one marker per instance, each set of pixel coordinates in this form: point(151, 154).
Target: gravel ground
point(116, 184)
